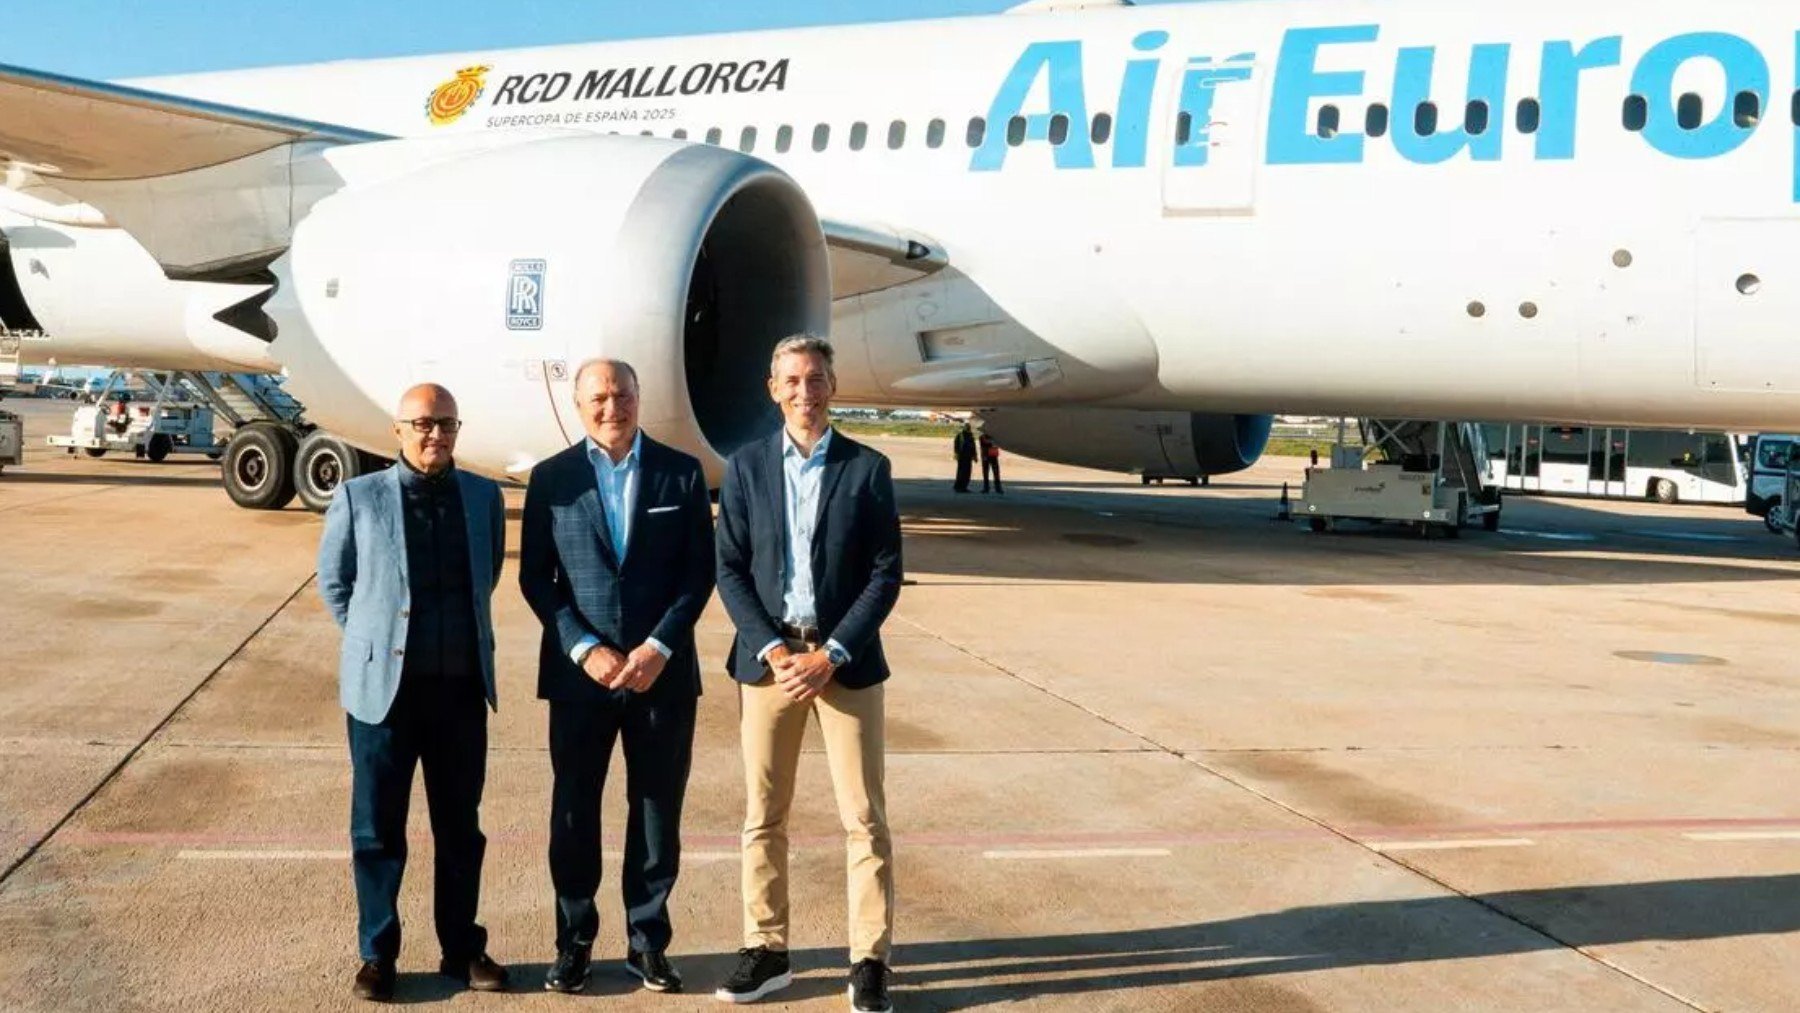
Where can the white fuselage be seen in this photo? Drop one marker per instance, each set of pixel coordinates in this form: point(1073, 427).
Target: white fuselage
point(1578, 270)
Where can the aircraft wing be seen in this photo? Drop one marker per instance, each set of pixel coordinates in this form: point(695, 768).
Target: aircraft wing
point(209, 189)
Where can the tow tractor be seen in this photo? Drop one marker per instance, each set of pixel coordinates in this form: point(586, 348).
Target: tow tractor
point(151, 419)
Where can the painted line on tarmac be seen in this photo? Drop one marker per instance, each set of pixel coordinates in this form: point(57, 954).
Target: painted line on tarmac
point(1489, 842)
point(264, 856)
point(1744, 835)
point(1004, 856)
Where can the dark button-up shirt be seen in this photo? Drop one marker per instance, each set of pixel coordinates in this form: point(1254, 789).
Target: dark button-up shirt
point(441, 641)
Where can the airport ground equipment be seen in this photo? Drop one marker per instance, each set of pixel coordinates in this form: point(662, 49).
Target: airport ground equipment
point(1432, 478)
point(150, 415)
point(1765, 493)
point(12, 440)
point(274, 454)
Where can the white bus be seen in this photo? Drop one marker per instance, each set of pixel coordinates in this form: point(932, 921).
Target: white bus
point(1666, 465)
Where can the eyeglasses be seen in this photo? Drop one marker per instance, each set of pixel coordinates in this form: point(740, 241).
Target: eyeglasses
point(424, 424)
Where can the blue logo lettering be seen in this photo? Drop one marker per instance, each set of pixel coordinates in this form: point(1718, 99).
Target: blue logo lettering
point(1433, 144)
point(1298, 81)
point(1745, 70)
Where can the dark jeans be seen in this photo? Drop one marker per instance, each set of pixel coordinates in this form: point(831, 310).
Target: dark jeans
point(442, 726)
point(658, 731)
point(990, 466)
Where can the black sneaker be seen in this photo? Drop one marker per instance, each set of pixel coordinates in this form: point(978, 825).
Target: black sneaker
point(570, 973)
point(869, 987)
point(653, 967)
point(760, 971)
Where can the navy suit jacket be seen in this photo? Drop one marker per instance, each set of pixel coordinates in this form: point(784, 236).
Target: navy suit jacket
point(574, 582)
point(856, 567)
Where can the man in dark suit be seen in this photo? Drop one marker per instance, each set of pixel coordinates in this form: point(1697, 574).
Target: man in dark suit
point(809, 568)
point(963, 446)
point(408, 561)
point(616, 559)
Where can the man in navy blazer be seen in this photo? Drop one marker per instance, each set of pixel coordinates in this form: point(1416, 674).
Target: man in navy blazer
point(407, 564)
point(616, 559)
point(809, 568)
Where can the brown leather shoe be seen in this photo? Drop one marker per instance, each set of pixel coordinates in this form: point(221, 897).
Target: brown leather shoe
point(481, 974)
point(375, 981)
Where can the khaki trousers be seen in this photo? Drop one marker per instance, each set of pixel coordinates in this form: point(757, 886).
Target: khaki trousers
point(771, 727)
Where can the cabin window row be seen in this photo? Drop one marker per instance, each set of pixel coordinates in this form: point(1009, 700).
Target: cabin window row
point(1690, 114)
point(937, 132)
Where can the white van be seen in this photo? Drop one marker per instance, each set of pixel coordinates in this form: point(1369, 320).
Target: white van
point(1763, 497)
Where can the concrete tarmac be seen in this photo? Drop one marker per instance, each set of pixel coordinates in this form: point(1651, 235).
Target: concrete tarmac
point(1148, 751)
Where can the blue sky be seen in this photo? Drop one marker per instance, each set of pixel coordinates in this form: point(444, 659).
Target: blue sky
point(108, 39)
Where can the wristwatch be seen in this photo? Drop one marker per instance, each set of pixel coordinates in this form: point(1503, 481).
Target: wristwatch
point(838, 656)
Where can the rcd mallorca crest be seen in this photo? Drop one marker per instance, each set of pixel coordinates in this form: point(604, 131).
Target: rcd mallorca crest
point(454, 97)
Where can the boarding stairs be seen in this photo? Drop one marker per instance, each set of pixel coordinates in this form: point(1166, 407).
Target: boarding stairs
point(1453, 449)
point(243, 398)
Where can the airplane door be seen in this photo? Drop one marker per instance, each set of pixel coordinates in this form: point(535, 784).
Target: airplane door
point(1213, 131)
point(1748, 302)
point(1606, 462)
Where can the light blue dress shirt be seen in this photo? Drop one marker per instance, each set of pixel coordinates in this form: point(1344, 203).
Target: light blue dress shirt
point(618, 485)
point(802, 478)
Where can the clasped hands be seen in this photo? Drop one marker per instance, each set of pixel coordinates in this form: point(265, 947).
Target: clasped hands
point(800, 676)
point(637, 671)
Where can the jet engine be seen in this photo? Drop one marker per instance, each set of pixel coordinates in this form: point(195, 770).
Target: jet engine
point(1154, 444)
point(496, 267)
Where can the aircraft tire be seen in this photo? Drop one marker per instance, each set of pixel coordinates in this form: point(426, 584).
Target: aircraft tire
point(259, 467)
point(323, 463)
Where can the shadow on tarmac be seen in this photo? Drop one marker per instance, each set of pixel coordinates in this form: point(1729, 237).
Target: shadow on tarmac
point(1036, 534)
point(136, 477)
point(962, 974)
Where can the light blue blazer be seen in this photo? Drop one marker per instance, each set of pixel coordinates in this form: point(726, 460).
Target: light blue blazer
point(362, 577)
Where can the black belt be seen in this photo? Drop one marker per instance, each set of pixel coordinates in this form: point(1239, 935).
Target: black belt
point(808, 634)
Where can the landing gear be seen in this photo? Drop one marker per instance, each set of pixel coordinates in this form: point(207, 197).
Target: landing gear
point(323, 463)
point(259, 467)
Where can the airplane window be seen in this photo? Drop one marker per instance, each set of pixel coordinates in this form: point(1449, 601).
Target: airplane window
point(714, 135)
point(1531, 114)
point(821, 137)
point(1015, 131)
point(934, 134)
point(1690, 111)
point(1747, 112)
point(680, 133)
point(896, 134)
point(1059, 129)
point(1184, 127)
point(646, 133)
point(1794, 112)
point(1103, 125)
point(1425, 119)
point(747, 140)
point(1329, 119)
point(977, 132)
point(784, 139)
point(1637, 112)
point(1475, 118)
point(859, 135)
point(1375, 123)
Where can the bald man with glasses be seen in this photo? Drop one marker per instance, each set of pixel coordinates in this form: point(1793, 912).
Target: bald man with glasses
point(407, 564)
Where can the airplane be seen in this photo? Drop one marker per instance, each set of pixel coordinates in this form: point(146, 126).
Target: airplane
point(1121, 234)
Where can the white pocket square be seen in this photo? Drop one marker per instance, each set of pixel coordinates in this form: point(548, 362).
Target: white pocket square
point(663, 510)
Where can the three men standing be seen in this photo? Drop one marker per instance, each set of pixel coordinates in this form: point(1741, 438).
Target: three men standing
point(407, 564)
point(809, 568)
point(616, 560)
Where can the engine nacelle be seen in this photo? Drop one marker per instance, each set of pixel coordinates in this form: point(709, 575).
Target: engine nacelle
point(496, 265)
point(1155, 444)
